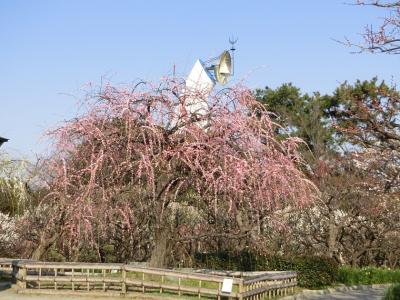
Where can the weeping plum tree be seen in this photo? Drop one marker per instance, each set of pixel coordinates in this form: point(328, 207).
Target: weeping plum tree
point(135, 156)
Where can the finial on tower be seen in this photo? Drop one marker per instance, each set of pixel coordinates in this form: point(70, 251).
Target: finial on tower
point(233, 41)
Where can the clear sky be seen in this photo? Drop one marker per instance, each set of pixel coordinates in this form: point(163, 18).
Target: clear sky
point(50, 49)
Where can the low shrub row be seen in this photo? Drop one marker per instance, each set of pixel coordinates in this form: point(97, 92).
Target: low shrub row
point(368, 275)
point(313, 272)
point(392, 293)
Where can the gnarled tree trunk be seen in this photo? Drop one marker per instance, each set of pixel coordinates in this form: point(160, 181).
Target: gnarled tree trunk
point(162, 248)
point(44, 244)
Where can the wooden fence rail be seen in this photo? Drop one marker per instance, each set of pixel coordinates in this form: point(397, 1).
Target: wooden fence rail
point(6, 266)
point(125, 279)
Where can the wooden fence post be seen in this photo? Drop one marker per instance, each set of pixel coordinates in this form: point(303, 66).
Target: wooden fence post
point(241, 290)
point(123, 281)
point(103, 273)
point(72, 279)
point(55, 279)
point(22, 277)
point(199, 289)
point(143, 288)
point(14, 274)
point(87, 279)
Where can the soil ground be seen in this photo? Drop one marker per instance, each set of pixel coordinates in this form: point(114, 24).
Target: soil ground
point(7, 293)
point(368, 294)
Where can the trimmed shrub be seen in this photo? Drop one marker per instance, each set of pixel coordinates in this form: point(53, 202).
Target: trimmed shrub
point(368, 275)
point(313, 272)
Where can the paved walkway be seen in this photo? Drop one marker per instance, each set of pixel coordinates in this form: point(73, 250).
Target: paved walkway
point(367, 294)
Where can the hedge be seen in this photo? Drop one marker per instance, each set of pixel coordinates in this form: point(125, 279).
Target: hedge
point(313, 272)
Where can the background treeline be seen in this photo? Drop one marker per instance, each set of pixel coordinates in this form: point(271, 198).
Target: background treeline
point(352, 140)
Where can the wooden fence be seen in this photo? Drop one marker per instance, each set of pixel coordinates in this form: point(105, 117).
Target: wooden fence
point(125, 279)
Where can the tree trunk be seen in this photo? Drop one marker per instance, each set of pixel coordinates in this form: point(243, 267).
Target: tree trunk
point(44, 245)
point(332, 236)
point(162, 248)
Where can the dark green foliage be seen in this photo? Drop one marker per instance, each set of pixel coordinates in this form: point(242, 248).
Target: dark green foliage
point(393, 293)
point(368, 275)
point(88, 254)
point(313, 272)
point(368, 113)
point(108, 254)
point(105, 254)
point(54, 255)
point(301, 115)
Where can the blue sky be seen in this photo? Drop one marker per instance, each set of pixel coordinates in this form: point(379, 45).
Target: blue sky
point(50, 49)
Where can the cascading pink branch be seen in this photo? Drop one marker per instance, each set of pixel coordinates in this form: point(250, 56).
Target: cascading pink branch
point(136, 151)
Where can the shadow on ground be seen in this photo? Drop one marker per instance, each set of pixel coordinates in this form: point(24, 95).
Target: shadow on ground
point(4, 285)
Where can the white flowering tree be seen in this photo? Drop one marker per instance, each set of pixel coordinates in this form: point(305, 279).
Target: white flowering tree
point(14, 200)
